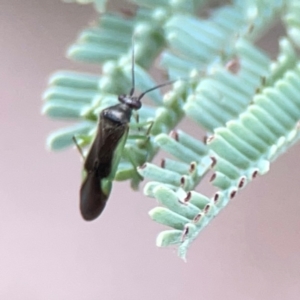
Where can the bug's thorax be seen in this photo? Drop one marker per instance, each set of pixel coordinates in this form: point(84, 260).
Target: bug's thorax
point(120, 114)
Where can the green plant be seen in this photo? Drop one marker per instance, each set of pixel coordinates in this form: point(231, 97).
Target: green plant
point(248, 103)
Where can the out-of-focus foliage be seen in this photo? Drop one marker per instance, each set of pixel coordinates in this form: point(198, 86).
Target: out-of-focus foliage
point(247, 102)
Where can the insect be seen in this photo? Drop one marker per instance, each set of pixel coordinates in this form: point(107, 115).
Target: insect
point(102, 160)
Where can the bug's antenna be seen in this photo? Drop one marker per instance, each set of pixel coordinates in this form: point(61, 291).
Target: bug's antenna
point(156, 87)
point(132, 67)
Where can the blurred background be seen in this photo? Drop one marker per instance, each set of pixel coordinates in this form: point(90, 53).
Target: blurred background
point(250, 251)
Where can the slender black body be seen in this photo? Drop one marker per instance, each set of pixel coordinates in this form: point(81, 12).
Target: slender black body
point(102, 160)
point(113, 124)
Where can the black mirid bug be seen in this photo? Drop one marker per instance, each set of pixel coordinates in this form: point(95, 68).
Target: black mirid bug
point(102, 160)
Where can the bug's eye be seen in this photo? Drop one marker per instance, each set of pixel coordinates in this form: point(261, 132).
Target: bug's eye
point(136, 104)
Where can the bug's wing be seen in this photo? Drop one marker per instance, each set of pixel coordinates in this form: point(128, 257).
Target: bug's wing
point(92, 198)
point(92, 155)
point(103, 147)
point(112, 143)
point(117, 154)
point(103, 160)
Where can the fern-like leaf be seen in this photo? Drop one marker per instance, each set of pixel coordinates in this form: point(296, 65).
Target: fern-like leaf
point(248, 103)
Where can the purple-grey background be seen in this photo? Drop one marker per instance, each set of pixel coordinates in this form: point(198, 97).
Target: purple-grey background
point(250, 251)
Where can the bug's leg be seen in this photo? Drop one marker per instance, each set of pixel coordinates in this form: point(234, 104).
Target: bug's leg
point(143, 140)
point(137, 120)
point(146, 140)
point(78, 147)
point(149, 128)
point(138, 126)
point(137, 153)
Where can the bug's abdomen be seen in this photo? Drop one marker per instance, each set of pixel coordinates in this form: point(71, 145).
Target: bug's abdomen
point(92, 197)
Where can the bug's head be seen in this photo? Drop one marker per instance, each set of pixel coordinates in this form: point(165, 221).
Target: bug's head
point(132, 101)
